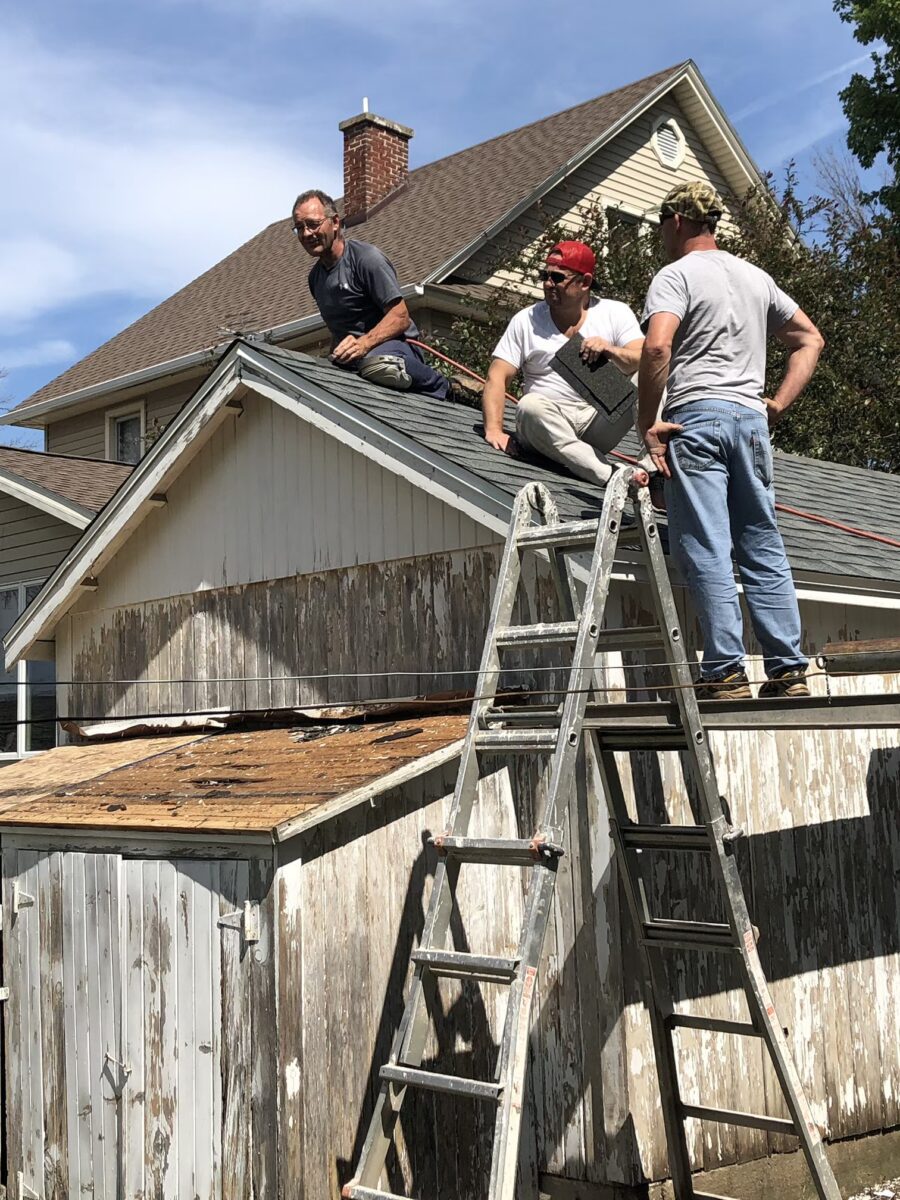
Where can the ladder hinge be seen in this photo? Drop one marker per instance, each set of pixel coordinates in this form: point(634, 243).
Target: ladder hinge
point(23, 1190)
point(21, 899)
point(246, 919)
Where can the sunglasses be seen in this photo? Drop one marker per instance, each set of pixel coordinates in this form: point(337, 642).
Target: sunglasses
point(301, 227)
point(556, 277)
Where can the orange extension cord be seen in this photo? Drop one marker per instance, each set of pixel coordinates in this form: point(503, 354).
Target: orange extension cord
point(785, 508)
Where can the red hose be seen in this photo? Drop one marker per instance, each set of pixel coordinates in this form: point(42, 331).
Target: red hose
point(785, 508)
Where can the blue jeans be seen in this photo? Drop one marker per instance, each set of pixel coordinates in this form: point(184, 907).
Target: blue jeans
point(425, 379)
point(720, 495)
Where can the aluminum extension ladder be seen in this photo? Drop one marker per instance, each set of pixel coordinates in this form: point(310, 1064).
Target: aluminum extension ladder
point(490, 730)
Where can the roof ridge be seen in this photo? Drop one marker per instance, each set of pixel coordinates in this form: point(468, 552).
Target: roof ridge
point(103, 462)
point(497, 137)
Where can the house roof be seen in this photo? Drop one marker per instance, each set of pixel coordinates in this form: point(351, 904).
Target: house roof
point(445, 205)
point(273, 782)
point(83, 485)
point(439, 447)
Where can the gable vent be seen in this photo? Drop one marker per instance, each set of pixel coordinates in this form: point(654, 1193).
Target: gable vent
point(668, 142)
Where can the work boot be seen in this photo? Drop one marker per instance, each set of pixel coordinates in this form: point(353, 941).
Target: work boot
point(790, 682)
point(733, 685)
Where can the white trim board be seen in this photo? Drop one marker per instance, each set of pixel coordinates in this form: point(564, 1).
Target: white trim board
point(47, 501)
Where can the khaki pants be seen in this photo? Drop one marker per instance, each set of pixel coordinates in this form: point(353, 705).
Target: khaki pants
point(567, 432)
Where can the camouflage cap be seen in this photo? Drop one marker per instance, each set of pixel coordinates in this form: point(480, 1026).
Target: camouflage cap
point(697, 201)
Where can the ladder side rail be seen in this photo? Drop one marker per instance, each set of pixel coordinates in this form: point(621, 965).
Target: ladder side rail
point(410, 1039)
point(762, 1009)
point(655, 989)
point(581, 676)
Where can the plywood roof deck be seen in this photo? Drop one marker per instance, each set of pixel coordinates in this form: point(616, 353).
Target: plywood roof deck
point(270, 781)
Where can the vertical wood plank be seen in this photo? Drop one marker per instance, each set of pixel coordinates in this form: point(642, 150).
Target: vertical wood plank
point(236, 1040)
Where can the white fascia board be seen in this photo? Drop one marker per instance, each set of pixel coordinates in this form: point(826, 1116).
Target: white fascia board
point(558, 176)
point(388, 447)
point(832, 589)
point(369, 793)
point(166, 459)
point(49, 502)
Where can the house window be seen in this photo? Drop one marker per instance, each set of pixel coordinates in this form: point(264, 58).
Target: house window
point(125, 434)
point(668, 142)
point(28, 691)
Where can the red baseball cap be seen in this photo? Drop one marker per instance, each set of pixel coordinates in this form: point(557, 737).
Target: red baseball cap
point(574, 256)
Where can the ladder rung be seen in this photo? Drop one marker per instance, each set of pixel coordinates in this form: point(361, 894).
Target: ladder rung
point(712, 1025)
point(355, 1191)
point(516, 741)
point(727, 1116)
point(638, 637)
point(454, 964)
point(547, 634)
point(451, 1085)
point(565, 533)
point(710, 1196)
point(701, 935)
point(665, 837)
point(499, 851)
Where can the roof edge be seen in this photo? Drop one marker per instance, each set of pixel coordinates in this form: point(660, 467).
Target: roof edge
point(48, 501)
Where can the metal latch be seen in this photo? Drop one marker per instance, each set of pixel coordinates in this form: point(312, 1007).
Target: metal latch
point(21, 899)
point(246, 919)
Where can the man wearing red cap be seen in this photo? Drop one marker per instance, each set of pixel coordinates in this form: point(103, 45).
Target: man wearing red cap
point(551, 417)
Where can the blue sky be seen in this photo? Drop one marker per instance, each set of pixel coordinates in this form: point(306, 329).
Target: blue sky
point(144, 141)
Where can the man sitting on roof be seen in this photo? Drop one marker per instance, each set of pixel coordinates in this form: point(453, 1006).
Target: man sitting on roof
point(359, 298)
point(551, 416)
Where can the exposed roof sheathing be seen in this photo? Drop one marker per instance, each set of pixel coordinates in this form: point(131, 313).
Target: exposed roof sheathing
point(88, 482)
point(252, 782)
point(444, 206)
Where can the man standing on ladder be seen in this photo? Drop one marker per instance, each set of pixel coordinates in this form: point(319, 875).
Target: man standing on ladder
point(707, 316)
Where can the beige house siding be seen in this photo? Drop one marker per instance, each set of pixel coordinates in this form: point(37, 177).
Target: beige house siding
point(31, 541)
point(625, 173)
point(84, 435)
point(271, 496)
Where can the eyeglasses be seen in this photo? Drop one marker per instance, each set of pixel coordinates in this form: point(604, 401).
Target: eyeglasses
point(665, 216)
point(301, 227)
point(556, 277)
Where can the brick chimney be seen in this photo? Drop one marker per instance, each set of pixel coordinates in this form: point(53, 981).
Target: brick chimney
point(376, 163)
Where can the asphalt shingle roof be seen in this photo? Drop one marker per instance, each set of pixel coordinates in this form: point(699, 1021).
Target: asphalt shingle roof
point(867, 500)
point(89, 482)
point(444, 206)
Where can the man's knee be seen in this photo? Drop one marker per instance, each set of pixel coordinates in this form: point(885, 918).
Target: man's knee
point(531, 417)
point(387, 370)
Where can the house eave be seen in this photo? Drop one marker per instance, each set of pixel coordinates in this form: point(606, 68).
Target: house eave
point(47, 501)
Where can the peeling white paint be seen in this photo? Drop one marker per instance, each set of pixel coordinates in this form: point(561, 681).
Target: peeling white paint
point(292, 1080)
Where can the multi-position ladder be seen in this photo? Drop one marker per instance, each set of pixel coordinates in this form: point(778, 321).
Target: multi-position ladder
point(558, 730)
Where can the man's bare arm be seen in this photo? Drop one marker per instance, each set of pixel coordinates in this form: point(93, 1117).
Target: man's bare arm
point(393, 324)
point(653, 375)
point(500, 375)
point(626, 357)
point(805, 344)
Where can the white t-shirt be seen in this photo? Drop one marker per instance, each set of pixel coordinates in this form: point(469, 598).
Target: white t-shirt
point(532, 339)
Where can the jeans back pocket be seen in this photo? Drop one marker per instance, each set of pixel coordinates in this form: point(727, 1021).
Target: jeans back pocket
point(763, 465)
point(697, 447)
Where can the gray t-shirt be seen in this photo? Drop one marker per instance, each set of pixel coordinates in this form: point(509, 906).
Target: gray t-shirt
point(353, 294)
point(727, 308)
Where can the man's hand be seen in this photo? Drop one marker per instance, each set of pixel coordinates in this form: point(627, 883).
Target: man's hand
point(594, 348)
point(502, 441)
point(350, 350)
point(656, 439)
point(774, 411)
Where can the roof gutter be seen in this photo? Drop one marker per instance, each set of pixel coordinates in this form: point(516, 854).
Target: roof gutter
point(46, 500)
point(172, 367)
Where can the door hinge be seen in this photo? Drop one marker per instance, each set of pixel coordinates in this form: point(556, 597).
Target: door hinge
point(21, 899)
point(245, 919)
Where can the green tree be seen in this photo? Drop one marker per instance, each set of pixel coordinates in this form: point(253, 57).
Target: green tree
point(872, 105)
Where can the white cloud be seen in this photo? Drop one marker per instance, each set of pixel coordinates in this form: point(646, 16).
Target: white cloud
point(119, 181)
point(41, 354)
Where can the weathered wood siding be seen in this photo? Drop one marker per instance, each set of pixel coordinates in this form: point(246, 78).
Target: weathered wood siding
point(139, 1035)
point(625, 173)
point(32, 543)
